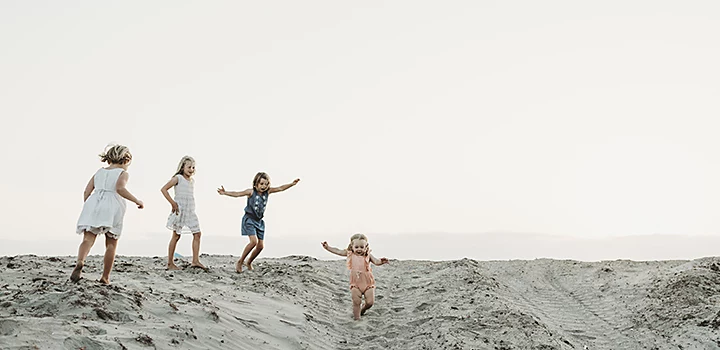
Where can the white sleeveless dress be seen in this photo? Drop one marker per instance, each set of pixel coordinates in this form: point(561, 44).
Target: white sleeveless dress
point(186, 221)
point(104, 210)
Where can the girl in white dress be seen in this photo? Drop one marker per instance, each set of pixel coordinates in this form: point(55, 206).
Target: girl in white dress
point(182, 219)
point(104, 209)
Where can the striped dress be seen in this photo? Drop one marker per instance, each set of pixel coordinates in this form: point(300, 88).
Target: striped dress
point(186, 221)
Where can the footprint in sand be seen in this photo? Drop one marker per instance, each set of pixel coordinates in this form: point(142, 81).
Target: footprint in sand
point(423, 307)
point(83, 343)
point(8, 327)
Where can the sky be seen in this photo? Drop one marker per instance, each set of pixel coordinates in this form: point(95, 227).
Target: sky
point(587, 120)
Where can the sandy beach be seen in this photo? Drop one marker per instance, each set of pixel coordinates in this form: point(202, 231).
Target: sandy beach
point(298, 302)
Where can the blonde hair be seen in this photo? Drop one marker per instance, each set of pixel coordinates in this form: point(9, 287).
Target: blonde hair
point(116, 154)
point(258, 177)
point(181, 165)
point(362, 237)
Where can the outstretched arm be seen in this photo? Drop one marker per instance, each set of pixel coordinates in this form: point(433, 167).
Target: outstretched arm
point(341, 252)
point(123, 192)
point(283, 187)
point(89, 188)
point(377, 261)
point(245, 193)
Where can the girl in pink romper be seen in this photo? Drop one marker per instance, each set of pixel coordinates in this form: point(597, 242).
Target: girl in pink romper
point(362, 282)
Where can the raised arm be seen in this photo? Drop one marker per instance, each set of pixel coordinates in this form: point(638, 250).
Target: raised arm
point(123, 192)
point(283, 187)
point(166, 188)
point(341, 252)
point(377, 261)
point(245, 193)
point(89, 188)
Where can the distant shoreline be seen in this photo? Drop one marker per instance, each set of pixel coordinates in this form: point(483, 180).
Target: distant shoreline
point(425, 246)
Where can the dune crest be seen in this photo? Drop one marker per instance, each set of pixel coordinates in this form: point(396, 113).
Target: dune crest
point(298, 302)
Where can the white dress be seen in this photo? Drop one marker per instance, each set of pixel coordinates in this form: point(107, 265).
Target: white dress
point(186, 221)
point(104, 210)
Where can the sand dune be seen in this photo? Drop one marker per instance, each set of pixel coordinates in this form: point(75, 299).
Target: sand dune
point(299, 302)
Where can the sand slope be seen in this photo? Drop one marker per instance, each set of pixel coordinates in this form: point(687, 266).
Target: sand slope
point(298, 302)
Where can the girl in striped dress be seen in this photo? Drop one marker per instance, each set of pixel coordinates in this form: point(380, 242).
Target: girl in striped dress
point(182, 219)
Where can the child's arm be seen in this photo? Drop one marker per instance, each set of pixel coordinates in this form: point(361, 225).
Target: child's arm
point(283, 187)
point(123, 192)
point(341, 252)
point(222, 192)
point(164, 190)
point(377, 261)
point(89, 188)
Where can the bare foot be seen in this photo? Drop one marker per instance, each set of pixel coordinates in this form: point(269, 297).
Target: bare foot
point(249, 266)
point(199, 266)
point(173, 267)
point(238, 266)
point(104, 281)
point(75, 276)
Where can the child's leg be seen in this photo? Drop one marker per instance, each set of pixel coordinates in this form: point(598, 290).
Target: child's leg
point(87, 243)
point(356, 299)
point(110, 246)
point(83, 251)
point(253, 242)
point(369, 300)
point(196, 250)
point(258, 248)
point(171, 251)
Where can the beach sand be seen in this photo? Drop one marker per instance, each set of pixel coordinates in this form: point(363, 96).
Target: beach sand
point(298, 302)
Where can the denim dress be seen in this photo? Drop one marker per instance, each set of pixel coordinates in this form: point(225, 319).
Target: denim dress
point(252, 221)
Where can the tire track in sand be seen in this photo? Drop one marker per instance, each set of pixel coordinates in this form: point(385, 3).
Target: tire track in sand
point(579, 318)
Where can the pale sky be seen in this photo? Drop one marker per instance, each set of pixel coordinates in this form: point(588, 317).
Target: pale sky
point(579, 119)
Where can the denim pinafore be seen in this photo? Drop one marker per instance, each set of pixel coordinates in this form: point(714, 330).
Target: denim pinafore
point(252, 221)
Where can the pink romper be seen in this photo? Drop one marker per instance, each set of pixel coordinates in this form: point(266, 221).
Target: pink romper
point(361, 276)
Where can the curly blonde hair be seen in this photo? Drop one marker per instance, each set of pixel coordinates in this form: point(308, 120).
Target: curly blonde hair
point(116, 154)
point(181, 165)
point(361, 237)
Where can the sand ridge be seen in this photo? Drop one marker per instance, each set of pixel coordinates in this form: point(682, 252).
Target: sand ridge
point(298, 302)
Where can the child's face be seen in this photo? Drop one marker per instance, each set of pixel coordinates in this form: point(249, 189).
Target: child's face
point(263, 185)
point(189, 169)
point(359, 246)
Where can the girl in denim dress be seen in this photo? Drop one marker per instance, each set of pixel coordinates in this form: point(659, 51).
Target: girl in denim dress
point(253, 225)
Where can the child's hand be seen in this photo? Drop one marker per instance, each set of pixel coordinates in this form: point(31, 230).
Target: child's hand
point(175, 208)
point(221, 190)
point(325, 245)
point(140, 204)
point(295, 182)
point(384, 261)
